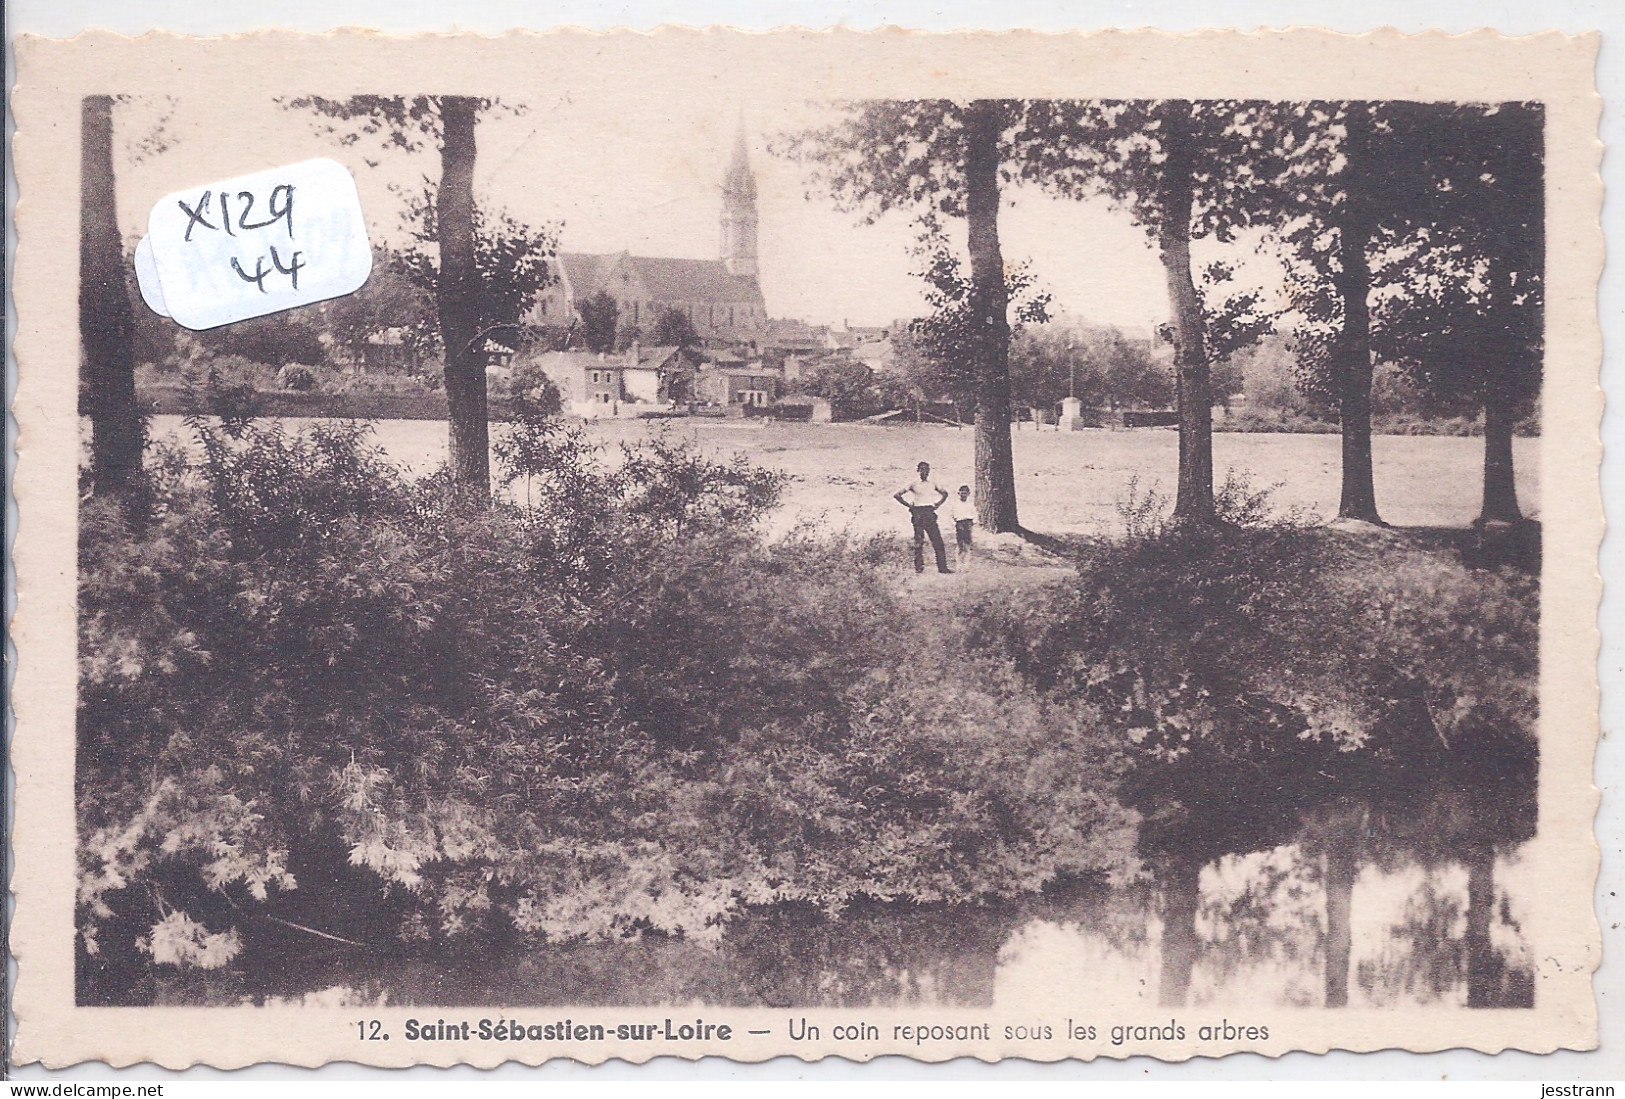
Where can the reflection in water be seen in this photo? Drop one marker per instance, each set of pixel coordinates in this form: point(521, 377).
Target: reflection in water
point(1261, 937)
point(1259, 934)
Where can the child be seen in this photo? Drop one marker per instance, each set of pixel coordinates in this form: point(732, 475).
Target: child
point(964, 517)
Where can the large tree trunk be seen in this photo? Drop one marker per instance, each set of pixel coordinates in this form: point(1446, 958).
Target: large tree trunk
point(1483, 976)
point(457, 298)
point(106, 321)
point(1181, 895)
point(990, 302)
point(1354, 349)
point(1500, 490)
point(1512, 372)
point(1500, 400)
point(1341, 870)
point(1192, 375)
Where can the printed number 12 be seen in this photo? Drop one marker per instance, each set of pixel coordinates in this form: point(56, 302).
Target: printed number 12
point(371, 1030)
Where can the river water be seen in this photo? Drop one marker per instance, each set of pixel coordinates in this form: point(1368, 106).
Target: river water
point(1261, 929)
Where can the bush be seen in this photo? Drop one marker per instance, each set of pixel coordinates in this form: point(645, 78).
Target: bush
point(299, 379)
point(1259, 670)
point(321, 702)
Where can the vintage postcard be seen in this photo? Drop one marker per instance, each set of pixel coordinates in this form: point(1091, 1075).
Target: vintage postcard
point(601, 546)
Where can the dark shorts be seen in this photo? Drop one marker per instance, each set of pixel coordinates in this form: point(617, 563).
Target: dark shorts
point(962, 529)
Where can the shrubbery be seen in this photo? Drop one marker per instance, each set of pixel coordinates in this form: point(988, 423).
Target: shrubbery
point(300, 379)
point(321, 704)
point(1259, 670)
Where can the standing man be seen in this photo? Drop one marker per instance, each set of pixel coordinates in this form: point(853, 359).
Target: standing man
point(922, 498)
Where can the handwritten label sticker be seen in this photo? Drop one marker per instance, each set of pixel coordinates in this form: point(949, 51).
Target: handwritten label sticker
point(254, 245)
point(146, 276)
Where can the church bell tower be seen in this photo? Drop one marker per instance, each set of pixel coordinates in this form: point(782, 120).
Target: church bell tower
point(739, 211)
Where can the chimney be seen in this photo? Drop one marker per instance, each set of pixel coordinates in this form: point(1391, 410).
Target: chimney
point(632, 354)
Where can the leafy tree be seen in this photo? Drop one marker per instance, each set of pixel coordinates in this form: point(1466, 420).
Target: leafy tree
point(599, 318)
point(924, 375)
point(390, 299)
point(627, 334)
point(409, 124)
point(1182, 169)
point(1102, 367)
point(512, 260)
point(1466, 318)
point(953, 336)
point(674, 329)
point(1357, 179)
point(290, 336)
point(1047, 366)
point(941, 159)
point(1235, 321)
point(106, 320)
point(848, 385)
point(1133, 378)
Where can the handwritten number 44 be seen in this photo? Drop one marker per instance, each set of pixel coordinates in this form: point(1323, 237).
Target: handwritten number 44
point(261, 271)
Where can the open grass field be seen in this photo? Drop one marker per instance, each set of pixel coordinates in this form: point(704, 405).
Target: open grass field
point(1067, 483)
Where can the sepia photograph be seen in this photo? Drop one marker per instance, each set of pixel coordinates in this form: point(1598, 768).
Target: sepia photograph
point(1026, 575)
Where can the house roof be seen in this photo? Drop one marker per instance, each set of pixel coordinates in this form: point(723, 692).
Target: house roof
point(758, 371)
point(580, 360)
point(702, 281)
point(794, 335)
point(653, 358)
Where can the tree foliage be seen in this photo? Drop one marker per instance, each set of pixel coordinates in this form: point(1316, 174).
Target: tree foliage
point(1182, 169)
point(848, 385)
point(940, 159)
point(397, 123)
point(674, 329)
point(512, 261)
point(951, 337)
point(446, 123)
point(600, 318)
point(390, 299)
point(1103, 368)
point(1466, 315)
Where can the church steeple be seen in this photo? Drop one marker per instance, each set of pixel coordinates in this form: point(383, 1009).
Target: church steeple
point(739, 209)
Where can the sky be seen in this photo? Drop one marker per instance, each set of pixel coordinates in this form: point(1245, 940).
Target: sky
point(644, 174)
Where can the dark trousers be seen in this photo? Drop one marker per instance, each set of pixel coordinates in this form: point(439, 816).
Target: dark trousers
point(925, 526)
point(962, 535)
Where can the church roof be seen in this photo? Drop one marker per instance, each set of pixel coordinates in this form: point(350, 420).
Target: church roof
point(586, 271)
point(701, 281)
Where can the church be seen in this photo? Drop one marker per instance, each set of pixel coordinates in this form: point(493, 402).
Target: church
point(722, 297)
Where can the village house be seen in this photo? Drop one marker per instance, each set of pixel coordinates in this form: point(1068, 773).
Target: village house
point(738, 386)
point(498, 356)
point(640, 379)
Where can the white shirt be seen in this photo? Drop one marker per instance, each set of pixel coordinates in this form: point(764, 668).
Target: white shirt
point(962, 509)
point(921, 494)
